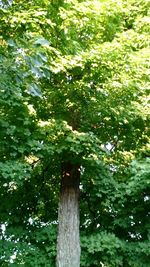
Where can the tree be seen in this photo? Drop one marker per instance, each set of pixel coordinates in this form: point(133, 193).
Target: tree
point(74, 114)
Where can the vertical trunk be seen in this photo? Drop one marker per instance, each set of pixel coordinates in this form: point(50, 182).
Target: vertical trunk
point(68, 244)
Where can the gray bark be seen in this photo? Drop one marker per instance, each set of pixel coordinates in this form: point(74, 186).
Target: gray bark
point(68, 242)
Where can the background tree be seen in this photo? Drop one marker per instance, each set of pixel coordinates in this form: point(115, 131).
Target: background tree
point(74, 102)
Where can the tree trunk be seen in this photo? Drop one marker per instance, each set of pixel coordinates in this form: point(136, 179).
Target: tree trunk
point(68, 242)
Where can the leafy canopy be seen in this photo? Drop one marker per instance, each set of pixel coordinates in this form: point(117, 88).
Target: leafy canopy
point(74, 84)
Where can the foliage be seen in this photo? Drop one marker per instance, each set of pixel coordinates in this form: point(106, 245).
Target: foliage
point(74, 84)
